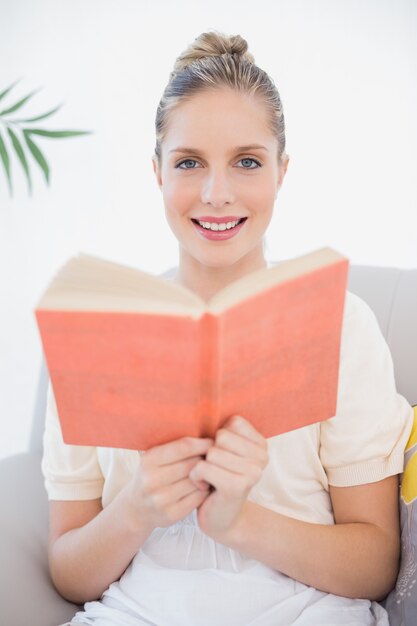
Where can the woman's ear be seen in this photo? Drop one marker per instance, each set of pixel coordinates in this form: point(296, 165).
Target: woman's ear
point(157, 172)
point(282, 171)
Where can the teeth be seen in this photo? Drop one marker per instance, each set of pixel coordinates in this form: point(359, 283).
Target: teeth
point(214, 226)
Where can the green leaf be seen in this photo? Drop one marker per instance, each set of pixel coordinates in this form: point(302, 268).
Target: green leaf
point(39, 117)
point(6, 163)
point(18, 104)
point(6, 91)
point(57, 133)
point(37, 154)
point(19, 151)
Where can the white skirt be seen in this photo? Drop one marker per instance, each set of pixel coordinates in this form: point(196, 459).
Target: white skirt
point(181, 577)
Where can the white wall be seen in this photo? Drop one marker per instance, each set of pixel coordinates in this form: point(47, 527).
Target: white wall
point(346, 71)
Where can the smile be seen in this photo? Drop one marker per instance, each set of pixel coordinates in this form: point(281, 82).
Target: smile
point(222, 231)
point(219, 226)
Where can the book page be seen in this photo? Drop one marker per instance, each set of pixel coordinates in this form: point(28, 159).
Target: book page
point(89, 283)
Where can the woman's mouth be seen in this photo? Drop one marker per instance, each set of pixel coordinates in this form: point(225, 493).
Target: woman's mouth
point(216, 231)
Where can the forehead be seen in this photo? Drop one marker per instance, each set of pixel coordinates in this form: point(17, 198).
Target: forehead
point(204, 118)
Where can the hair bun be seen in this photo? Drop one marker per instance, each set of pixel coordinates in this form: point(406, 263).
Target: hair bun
point(213, 43)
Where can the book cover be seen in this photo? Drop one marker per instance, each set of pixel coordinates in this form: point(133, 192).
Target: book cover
point(137, 375)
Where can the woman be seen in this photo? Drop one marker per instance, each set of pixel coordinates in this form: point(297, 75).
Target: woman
point(301, 528)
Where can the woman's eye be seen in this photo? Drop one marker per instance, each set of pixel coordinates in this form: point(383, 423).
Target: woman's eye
point(186, 161)
point(253, 161)
point(249, 160)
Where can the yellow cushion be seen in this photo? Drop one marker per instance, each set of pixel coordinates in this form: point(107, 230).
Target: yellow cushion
point(409, 479)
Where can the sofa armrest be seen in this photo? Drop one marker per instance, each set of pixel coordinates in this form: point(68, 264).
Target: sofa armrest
point(27, 594)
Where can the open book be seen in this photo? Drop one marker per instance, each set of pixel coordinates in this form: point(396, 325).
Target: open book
point(136, 360)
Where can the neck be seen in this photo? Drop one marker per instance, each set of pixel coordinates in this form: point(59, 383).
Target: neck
point(206, 280)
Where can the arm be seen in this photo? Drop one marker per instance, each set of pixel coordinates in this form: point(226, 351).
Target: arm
point(90, 547)
point(358, 557)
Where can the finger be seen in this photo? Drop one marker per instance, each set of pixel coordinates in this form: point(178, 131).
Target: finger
point(161, 476)
point(202, 485)
point(178, 450)
point(239, 445)
point(230, 461)
point(242, 426)
point(182, 507)
point(220, 478)
point(172, 493)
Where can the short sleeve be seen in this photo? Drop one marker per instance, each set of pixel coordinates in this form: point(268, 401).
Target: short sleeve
point(70, 472)
point(366, 439)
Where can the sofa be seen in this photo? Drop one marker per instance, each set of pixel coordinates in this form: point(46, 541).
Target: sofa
point(27, 595)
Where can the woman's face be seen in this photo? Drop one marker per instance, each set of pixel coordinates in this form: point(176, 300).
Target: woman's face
point(211, 170)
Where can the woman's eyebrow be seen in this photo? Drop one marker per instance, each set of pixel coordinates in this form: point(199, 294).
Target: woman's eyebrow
point(253, 146)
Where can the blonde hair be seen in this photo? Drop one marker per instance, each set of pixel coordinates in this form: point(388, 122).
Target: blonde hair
point(212, 61)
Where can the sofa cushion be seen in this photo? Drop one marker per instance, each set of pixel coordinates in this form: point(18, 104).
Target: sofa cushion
point(401, 603)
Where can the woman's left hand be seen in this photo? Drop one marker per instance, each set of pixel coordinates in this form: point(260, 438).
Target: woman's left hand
point(233, 465)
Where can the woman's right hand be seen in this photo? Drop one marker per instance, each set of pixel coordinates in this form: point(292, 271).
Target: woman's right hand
point(160, 492)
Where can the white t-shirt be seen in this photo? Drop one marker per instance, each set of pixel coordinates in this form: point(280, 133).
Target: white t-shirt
point(181, 576)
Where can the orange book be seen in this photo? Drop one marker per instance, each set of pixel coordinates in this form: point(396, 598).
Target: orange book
point(136, 360)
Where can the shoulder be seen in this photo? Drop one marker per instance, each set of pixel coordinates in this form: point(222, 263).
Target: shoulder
point(359, 322)
point(356, 308)
point(364, 442)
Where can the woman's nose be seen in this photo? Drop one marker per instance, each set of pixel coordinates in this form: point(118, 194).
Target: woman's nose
point(217, 189)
